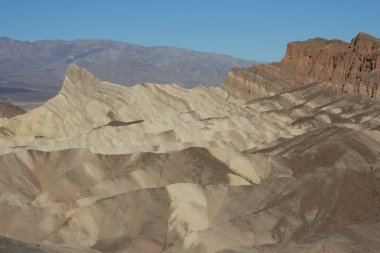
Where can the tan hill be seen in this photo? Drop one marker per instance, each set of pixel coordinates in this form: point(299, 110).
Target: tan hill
point(353, 67)
point(160, 168)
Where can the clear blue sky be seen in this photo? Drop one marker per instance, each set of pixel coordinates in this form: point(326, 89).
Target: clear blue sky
point(257, 30)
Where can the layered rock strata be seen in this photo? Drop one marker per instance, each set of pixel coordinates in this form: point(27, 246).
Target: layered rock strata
point(353, 68)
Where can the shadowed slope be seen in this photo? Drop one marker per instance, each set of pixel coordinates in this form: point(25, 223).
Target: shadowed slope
point(8, 110)
point(13, 246)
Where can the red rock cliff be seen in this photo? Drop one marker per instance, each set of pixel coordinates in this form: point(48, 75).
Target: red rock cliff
point(354, 68)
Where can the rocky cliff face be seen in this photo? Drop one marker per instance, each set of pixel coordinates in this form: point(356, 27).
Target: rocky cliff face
point(353, 68)
point(256, 82)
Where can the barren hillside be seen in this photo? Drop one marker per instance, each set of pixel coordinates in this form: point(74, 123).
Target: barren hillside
point(160, 168)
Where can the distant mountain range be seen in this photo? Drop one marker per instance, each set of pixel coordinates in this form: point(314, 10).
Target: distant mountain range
point(32, 71)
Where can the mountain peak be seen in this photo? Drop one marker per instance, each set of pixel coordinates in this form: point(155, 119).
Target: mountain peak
point(365, 36)
point(79, 80)
point(364, 43)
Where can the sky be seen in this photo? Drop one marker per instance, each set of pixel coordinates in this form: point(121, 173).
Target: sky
point(249, 29)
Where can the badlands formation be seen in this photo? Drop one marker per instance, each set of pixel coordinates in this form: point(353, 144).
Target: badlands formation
point(272, 161)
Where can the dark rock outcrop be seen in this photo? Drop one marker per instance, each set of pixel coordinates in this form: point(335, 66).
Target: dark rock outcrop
point(8, 245)
point(8, 110)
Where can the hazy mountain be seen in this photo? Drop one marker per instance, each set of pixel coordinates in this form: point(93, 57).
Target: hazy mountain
point(39, 66)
